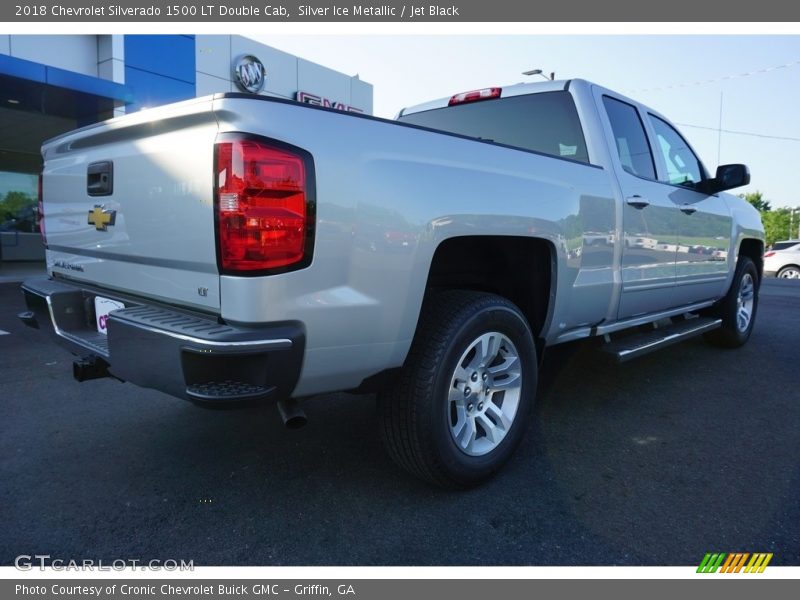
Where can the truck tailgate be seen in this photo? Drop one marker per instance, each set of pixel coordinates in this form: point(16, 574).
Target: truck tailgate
point(128, 205)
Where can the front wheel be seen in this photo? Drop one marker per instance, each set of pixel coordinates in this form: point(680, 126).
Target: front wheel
point(738, 308)
point(462, 402)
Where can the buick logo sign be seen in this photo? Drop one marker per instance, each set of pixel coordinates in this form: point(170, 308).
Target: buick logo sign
point(250, 74)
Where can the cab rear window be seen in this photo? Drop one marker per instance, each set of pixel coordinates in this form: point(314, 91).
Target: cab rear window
point(546, 122)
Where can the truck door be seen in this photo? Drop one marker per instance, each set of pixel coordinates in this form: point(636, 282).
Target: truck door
point(704, 222)
point(649, 215)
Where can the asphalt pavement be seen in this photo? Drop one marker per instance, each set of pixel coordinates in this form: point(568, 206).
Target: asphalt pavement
point(689, 450)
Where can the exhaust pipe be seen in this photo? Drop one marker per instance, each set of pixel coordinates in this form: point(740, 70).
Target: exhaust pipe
point(292, 415)
point(90, 367)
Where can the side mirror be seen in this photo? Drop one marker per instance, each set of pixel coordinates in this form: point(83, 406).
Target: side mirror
point(728, 177)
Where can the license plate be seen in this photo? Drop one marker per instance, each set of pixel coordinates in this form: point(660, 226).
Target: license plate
point(103, 306)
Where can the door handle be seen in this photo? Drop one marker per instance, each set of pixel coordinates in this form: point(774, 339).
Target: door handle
point(688, 209)
point(100, 178)
point(638, 202)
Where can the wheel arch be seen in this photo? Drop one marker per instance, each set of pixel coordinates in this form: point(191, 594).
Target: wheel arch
point(754, 250)
point(518, 268)
point(521, 269)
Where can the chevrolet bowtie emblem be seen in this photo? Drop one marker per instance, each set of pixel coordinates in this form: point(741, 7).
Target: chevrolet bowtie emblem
point(101, 219)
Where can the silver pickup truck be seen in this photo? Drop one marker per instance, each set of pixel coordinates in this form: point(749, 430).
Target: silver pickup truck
point(242, 248)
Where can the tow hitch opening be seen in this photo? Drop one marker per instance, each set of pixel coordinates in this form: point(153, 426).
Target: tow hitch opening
point(90, 367)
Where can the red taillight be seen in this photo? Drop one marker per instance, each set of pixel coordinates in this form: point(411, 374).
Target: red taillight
point(770, 253)
point(475, 95)
point(40, 212)
point(262, 206)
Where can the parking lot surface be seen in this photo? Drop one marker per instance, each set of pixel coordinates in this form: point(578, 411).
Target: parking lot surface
point(689, 450)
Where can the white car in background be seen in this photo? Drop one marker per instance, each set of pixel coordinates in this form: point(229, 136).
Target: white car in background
point(783, 260)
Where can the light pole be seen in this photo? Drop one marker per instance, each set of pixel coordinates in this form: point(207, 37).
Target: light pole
point(791, 223)
point(539, 72)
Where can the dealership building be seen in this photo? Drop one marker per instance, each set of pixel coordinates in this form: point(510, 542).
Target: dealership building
point(50, 84)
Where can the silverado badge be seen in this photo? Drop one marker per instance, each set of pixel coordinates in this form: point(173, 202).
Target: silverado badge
point(101, 218)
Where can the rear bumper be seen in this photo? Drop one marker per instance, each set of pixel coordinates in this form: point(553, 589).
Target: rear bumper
point(769, 273)
point(185, 354)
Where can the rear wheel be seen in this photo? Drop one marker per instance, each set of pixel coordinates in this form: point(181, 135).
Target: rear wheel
point(738, 308)
point(790, 272)
point(461, 403)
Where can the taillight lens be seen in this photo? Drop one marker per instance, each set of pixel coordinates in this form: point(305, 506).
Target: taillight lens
point(40, 211)
point(475, 96)
point(262, 206)
point(770, 253)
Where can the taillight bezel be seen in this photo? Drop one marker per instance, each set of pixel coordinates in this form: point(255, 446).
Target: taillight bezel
point(311, 204)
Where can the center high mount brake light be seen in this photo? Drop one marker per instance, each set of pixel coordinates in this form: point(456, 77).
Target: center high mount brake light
point(475, 96)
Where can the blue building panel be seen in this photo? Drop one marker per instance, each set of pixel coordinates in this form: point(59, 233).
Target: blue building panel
point(168, 55)
point(39, 73)
point(150, 89)
point(24, 69)
point(88, 85)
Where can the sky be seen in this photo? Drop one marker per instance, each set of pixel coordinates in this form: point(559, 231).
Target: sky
point(751, 83)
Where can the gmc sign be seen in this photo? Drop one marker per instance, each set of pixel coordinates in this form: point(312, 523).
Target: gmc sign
point(307, 98)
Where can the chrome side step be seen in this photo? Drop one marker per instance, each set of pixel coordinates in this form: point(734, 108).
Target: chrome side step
point(643, 343)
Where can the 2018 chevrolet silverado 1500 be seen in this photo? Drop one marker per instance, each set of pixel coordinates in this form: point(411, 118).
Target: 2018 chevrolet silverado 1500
point(236, 247)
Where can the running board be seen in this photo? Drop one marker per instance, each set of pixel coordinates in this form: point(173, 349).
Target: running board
point(644, 343)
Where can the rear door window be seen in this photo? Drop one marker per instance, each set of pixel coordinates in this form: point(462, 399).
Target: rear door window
point(630, 138)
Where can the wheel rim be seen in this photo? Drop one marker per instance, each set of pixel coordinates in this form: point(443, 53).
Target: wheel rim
point(484, 394)
point(790, 273)
point(744, 302)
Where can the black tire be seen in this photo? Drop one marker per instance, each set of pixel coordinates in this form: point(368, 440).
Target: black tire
point(787, 269)
point(417, 412)
point(732, 334)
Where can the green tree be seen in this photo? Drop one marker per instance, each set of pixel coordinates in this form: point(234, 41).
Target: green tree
point(13, 203)
point(776, 225)
point(757, 200)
